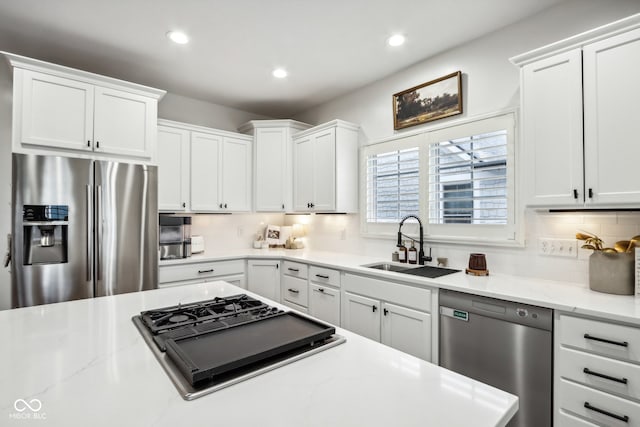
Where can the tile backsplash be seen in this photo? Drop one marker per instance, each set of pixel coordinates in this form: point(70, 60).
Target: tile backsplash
point(341, 233)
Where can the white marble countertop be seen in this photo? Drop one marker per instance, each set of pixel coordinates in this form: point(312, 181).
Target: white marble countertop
point(87, 365)
point(566, 296)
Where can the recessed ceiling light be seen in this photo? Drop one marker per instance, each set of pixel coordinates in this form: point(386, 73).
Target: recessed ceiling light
point(396, 40)
point(178, 37)
point(280, 73)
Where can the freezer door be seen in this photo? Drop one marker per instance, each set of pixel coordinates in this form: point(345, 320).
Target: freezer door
point(126, 228)
point(58, 267)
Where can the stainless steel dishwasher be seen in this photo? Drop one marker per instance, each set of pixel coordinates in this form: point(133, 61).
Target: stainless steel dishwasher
point(504, 344)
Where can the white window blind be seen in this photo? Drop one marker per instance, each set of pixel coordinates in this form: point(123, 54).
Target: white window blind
point(393, 185)
point(468, 180)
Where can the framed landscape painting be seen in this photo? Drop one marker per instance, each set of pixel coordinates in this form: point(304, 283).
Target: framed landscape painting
point(429, 101)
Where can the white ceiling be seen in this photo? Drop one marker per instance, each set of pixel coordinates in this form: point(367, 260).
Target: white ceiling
point(329, 47)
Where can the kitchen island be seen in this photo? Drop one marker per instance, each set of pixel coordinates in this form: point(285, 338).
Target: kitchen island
point(84, 363)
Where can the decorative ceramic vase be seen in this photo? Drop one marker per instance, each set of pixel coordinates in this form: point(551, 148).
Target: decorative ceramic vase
point(612, 273)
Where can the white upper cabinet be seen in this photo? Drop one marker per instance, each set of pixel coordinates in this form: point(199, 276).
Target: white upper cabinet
point(272, 166)
point(552, 129)
point(236, 174)
point(53, 111)
point(59, 110)
point(173, 169)
point(325, 168)
point(203, 169)
point(612, 122)
point(124, 123)
point(206, 161)
point(579, 119)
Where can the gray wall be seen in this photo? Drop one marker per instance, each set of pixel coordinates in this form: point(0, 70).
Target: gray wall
point(490, 81)
point(197, 112)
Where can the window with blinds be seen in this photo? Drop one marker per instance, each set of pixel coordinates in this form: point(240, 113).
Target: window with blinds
point(393, 181)
point(468, 180)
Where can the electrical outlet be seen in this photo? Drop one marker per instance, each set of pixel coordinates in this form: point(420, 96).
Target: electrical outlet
point(567, 248)
point(343, 234)
point(240, 231)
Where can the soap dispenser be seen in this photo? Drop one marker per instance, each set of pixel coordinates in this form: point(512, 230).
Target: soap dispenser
point(402, 253)
point(412, 254)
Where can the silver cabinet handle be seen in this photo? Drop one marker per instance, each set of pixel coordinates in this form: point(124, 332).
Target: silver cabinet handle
point(293, 291)
point(206, 271)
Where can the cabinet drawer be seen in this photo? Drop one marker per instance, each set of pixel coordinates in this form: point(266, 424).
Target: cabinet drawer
point(601, 372)
point(325, 276)
point(564, 419)
point(295, 269)
point(603, 408)
point(408, 296)
point(600, 337)
point(295, 290)
point(201, 270)
point(296, 307)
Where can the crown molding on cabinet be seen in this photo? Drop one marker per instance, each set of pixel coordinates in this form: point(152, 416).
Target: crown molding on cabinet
point(579, 40)
point(294, 125)
point(85, 76)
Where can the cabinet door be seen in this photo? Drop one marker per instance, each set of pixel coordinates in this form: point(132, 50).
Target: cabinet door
point(552, 130)
point(612, 125)
point(263, 278)
point(54, 111)
point(324, 171)
point(324, 303)
point(273, 176)
point(407, 330)
point(173, 169)
point(361, 315)
point(124, 123)
point(205, 167)
point(303, 165)
point(236, 174)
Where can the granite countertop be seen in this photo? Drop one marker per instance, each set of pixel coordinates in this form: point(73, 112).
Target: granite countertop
point(558, 295)
point(84, 363)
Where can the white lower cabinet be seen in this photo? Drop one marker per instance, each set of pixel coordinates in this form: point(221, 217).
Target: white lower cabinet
point(263, 278)
point(597, 372)
point(324, 303)
point(198, 272)
point(394, 314)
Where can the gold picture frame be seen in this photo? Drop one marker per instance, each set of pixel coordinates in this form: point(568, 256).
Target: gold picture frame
point(429, 101)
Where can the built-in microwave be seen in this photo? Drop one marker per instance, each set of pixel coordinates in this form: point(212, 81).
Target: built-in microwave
point(175, 237)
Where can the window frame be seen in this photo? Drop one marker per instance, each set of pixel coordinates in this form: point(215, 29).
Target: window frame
point(510, 234)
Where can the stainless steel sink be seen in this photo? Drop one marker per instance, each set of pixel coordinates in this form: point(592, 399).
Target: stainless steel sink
point(423, 271)
point(387, 267)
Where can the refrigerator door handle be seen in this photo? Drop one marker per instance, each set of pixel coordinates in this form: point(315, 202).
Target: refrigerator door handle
point(89, 219)
point(98, 231)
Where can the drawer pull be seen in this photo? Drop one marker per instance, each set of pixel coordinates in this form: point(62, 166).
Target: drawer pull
point(624, 418)
point(293, 291)
point(322, 276)
point(321, 290)
point(620, 343)
point(205, 271)
point(293, 269)
point(606, 377)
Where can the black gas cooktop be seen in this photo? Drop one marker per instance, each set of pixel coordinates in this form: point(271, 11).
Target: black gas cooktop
point(208, 345)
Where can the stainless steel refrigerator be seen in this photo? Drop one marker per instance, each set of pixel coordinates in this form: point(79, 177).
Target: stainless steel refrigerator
point(82, 228)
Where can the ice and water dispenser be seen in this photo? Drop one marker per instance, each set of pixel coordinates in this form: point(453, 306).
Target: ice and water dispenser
point(45, 234)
